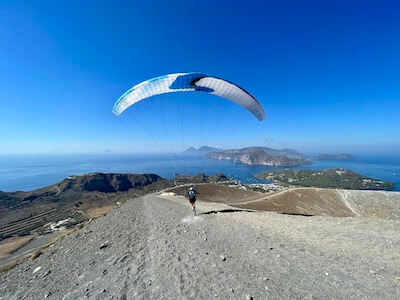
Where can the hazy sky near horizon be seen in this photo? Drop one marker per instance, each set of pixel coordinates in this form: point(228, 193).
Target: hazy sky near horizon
point(326, 72)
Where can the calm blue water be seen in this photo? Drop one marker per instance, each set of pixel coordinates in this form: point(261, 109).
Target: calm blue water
point(32, 172)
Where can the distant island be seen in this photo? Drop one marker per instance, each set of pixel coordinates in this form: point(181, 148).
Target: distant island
point(262, 156)
point(200, 151)
point(333, 178)
point(342, 156)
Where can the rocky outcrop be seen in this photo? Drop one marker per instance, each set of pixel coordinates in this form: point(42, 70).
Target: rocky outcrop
point(200, 178)
point(218, 177)
point(111, 183)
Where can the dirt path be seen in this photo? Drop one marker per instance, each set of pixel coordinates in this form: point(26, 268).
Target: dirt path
point(153, 248)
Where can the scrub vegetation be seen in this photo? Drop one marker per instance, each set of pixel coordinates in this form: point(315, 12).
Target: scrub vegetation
point(333, 178)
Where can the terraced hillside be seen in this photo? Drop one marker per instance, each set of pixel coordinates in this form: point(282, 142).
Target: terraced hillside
point(38, 222)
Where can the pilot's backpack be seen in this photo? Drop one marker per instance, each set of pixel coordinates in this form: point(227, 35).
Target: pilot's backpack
point(191, 194)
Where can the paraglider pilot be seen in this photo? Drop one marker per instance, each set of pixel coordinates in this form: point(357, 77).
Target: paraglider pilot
point(191, 194)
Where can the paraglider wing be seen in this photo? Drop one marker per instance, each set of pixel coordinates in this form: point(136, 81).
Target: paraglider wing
point(189, 82)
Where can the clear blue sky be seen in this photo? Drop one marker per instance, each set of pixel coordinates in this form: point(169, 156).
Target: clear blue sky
point(326, 72)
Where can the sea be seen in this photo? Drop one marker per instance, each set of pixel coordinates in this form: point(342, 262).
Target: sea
point(29, 172)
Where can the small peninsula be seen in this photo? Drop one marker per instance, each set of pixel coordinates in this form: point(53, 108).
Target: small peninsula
point(333, 178)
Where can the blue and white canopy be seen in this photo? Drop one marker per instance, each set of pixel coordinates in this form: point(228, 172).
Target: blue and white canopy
point(189, 82)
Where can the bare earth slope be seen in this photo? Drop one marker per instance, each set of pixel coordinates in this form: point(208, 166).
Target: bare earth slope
point(152, 248)
point(329, 202)
point(219, 193)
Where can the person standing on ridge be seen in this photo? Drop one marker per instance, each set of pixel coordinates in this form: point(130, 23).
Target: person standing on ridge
point(191, 194)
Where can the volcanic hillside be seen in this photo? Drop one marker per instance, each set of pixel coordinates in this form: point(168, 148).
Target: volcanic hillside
point(152, 247)
point(76, 197)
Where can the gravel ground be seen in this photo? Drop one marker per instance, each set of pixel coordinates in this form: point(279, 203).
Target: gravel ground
point(152, 247)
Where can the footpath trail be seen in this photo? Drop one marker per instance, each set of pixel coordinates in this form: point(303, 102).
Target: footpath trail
point(152, 247)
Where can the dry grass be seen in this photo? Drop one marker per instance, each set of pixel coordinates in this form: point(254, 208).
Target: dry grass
point(8, 267)
point(303, 201)
point(12, 244)
point(36, 254)
point(96, 212)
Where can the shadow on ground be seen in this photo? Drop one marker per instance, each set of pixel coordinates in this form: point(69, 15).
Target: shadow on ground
point(223, 211)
